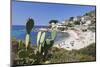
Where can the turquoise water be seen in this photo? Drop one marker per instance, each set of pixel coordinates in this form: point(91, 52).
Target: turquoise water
point(19, 33)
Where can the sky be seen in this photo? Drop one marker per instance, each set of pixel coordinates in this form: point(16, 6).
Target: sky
point(42, 13)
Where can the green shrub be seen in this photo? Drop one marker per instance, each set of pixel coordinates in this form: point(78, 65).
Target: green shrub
point(70, 25)
point(77, 22)
point(90, 50)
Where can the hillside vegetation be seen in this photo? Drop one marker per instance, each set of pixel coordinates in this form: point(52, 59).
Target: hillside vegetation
point(56, 55)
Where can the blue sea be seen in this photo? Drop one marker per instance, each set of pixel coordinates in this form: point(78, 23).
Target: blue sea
point(19, 32)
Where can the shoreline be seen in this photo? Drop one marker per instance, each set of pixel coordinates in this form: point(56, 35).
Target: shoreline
point(77, 40)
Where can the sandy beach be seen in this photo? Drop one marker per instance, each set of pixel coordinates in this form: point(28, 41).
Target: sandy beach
point(76, 40)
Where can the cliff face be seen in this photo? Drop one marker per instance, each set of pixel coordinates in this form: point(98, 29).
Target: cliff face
point(81, 33)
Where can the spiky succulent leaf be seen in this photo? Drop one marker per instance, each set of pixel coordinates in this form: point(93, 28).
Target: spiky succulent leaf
point(38, 37)
point(42, 38)
point(21, 45)
point(49, 43)
point(53, 34)
point(29, 25)
point(27, 39)
point(40, 48)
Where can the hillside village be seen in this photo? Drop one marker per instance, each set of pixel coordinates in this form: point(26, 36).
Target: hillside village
point(81, 31)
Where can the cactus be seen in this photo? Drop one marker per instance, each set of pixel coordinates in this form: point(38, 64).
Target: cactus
point(40, 53)
point(38, 37)
point(53, 34)
point(43, 45)
point(27, 40)
point(21, 45)
point(29, 26)
point(40, 48)
point(40, 40)
point(49, 42)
